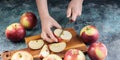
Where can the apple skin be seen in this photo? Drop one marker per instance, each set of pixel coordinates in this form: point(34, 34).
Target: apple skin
point(97, 51)
point(89, 34)
point(28, 20)
point(74, 54)
point(15, 32)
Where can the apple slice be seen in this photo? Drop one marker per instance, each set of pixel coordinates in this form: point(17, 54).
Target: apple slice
point(44, 51)
point(36, 44)
point(52, 57)
point(22, 55)
point(57, 47)
point(66, 35)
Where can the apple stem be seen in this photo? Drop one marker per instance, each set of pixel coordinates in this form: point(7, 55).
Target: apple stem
point(20, 55)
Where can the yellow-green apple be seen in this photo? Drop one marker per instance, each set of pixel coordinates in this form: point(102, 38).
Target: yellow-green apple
point(89, 34)
point(57, 47)
point(22, 55)
point(52, 57)
point(97, 51)
point(15, 32)
point(65, 36)
point(36, 44)
point(74, 54)
point(28, 20)
point(44, 51)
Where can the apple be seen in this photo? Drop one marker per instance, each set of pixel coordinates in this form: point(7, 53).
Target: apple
point(28, 20)
point(97, 51)
point(15, 32)
point(65, 36)
point(22, 55)
point(52, 57)
point(44, 51)
point(36, 44)
point(57, 47)
point(74, 54)
point(89, 34)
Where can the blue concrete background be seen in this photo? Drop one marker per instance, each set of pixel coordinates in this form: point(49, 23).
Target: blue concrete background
point(104, 14)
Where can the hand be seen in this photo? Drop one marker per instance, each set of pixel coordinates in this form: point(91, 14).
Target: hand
point(74, 9)
point(47, 23)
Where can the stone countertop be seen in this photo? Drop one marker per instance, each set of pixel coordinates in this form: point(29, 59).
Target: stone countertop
point(105, 15)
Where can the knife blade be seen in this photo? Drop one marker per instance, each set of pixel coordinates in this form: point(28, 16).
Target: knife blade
point(64, 26)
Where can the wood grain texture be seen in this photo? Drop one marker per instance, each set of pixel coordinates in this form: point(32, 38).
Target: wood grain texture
point(75, 42)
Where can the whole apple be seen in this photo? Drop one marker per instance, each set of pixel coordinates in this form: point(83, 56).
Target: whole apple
point(28, 20)
point(74, 54)
point(89, 34)
point(15, 32)
point(97, 51)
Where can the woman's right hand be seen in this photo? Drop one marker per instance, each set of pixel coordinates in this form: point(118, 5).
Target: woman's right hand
point(47, 23)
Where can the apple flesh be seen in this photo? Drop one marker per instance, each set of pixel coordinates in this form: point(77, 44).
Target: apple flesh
point(97, 51)
point(89, 34)
point(28, 20)
point(52, 57)
point(57, 47)
point(36, 44)
point(44, 51)
point(15, 32)
point(65, 36)
point(22, 55)
point(74, 54)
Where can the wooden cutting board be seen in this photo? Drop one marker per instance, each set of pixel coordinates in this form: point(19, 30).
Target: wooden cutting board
point(75, 42)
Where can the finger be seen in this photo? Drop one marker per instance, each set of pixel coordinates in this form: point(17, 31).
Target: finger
point(57, 25)
point(68, 12)
point(74, 15)
point(52, 36)
point(45, 37)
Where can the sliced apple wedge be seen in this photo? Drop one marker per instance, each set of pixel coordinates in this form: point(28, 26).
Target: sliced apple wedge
point(44, 51)
point(57, 47)
point(22, 55)
point(36, 44)
point(52, 57)
point(65, 36)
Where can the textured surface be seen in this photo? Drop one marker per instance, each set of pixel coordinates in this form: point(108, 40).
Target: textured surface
point(105, 15)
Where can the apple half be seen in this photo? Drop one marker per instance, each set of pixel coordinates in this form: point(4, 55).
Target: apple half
point(36, 44)
point(57, 47)
point(52, 57)
point(22, 55)
point(44, 51)
point(65, 36)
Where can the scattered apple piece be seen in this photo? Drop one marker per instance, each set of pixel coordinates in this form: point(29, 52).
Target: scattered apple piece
point(57, 47)
point(36, 44)
point(22, 55)
point(52, 57)
point(44, 51)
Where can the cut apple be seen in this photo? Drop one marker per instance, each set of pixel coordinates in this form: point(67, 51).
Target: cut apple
point(57, 47)
point(44, 51)
point(36, 44)
point(52, 57)
point(65, 36)
point(22, 55)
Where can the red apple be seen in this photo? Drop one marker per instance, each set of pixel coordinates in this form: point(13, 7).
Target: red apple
point(89, 34)
point(28, 20)
point(15, 32)
point(65, 36)
point(74, 54)
point(97, 51)
point(22, 55)
point(52, 57)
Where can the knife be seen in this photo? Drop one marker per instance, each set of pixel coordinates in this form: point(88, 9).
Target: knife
point(64, 26)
